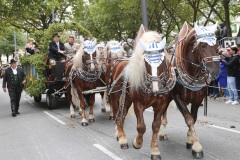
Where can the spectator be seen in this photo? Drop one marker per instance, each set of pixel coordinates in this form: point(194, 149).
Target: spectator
point(232, 69)
point(222, 77)
point(238, 74)
point(223, 31)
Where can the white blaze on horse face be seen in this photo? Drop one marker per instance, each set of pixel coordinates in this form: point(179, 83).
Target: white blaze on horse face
point(92, 65)
point(154, 57)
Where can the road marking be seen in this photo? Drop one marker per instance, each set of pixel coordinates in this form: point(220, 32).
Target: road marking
point(55, 118)
point(226, 129)
point(104, 150)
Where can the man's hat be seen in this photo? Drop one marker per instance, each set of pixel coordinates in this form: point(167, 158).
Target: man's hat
point(55, 34)
point(12, 61)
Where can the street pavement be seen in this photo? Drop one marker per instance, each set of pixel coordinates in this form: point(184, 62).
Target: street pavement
point(42, 134)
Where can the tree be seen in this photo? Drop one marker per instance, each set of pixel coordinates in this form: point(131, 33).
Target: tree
point(7, 42)
point(32, 15)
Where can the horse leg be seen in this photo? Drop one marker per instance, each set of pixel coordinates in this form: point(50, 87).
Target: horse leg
point(103, 104)
point(162, 132)
point(192, 139)
point(120, 134)
point(91, 103)
point(82, 105)
point(141, 127)
point(69, 97)
point(155, 153)
point(197, 149)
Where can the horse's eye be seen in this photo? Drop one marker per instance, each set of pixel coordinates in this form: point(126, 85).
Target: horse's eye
point(203, 45)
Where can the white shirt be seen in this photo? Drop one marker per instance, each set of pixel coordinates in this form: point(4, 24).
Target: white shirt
point(14, 70)
point(58, 45)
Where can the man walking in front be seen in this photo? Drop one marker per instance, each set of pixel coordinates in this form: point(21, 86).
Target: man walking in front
point(14, 79)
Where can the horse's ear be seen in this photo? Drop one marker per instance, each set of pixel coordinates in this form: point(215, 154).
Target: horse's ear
point(143, 45)
point(214, 27)
point(197, 29)
point(162, 44)
point(94, 42)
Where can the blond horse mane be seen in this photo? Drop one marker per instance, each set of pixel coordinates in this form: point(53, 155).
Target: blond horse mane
point(135, 70)
point(77, 60)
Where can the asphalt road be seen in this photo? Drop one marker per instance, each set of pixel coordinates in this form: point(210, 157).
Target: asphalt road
point(42, 134)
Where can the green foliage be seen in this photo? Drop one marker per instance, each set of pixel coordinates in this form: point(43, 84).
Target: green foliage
point(45, 37)
point(35, 84)
point(34, 15)
point(7, 41)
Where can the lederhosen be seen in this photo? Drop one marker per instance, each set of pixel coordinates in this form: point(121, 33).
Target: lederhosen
point(15, 93)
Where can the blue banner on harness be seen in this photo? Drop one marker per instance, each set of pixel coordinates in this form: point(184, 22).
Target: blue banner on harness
point(191, 88)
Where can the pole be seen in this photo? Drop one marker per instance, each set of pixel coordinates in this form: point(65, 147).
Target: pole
point(15, 45)
point(144, 13)
point(53, 16)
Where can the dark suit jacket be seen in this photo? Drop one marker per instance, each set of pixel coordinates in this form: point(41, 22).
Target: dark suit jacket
point(8, 78)
point(53, 49)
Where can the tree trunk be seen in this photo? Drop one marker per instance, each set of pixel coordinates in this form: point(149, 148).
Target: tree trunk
point(227, 17)
point(238, 35)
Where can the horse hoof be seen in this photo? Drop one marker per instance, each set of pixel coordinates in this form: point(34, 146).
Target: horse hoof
point(117, 138)
point(124, 146)
point(91, 120)
point(163, 138)
point(73, 116)
point(111, 118)
point(84, 124)
point(103, 110)
point(136, 147)
point(189, 146)
point(155, 157)
point(197, 155)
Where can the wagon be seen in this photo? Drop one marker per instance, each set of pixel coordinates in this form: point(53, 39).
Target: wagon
point(53, 83)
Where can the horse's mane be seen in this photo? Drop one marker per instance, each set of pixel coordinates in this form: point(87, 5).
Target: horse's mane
point(136, 69)
point(119, 54)
point(77, 60)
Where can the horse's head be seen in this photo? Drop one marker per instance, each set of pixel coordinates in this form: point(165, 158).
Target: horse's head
point(89, 55)
point(85, 58)
point(114, 49)
point(206, 49)
point(148, 62)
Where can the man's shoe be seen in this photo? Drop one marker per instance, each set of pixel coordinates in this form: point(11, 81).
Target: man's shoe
point(229, 101)
point(235, 103)
point(14, 114)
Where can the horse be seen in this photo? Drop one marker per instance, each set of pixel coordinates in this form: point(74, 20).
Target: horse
point(144, 80)
point(112, 51)
point(82, 74)
point(1, 75)
point(196, 62)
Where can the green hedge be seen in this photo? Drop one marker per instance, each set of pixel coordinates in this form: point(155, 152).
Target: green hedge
point(35, 86)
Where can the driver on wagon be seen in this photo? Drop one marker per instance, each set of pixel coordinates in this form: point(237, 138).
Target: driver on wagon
point(56, 50)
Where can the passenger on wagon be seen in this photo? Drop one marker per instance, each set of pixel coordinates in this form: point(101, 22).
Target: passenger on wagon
point(232, 65)
point(56, 50)
point(71, 48)
point(31, 47)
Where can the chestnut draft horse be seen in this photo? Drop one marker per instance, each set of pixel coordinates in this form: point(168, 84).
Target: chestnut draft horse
point(1, 76)
point(196, 61)
point(145, 81)
point(82, 74)
point(112, 51)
